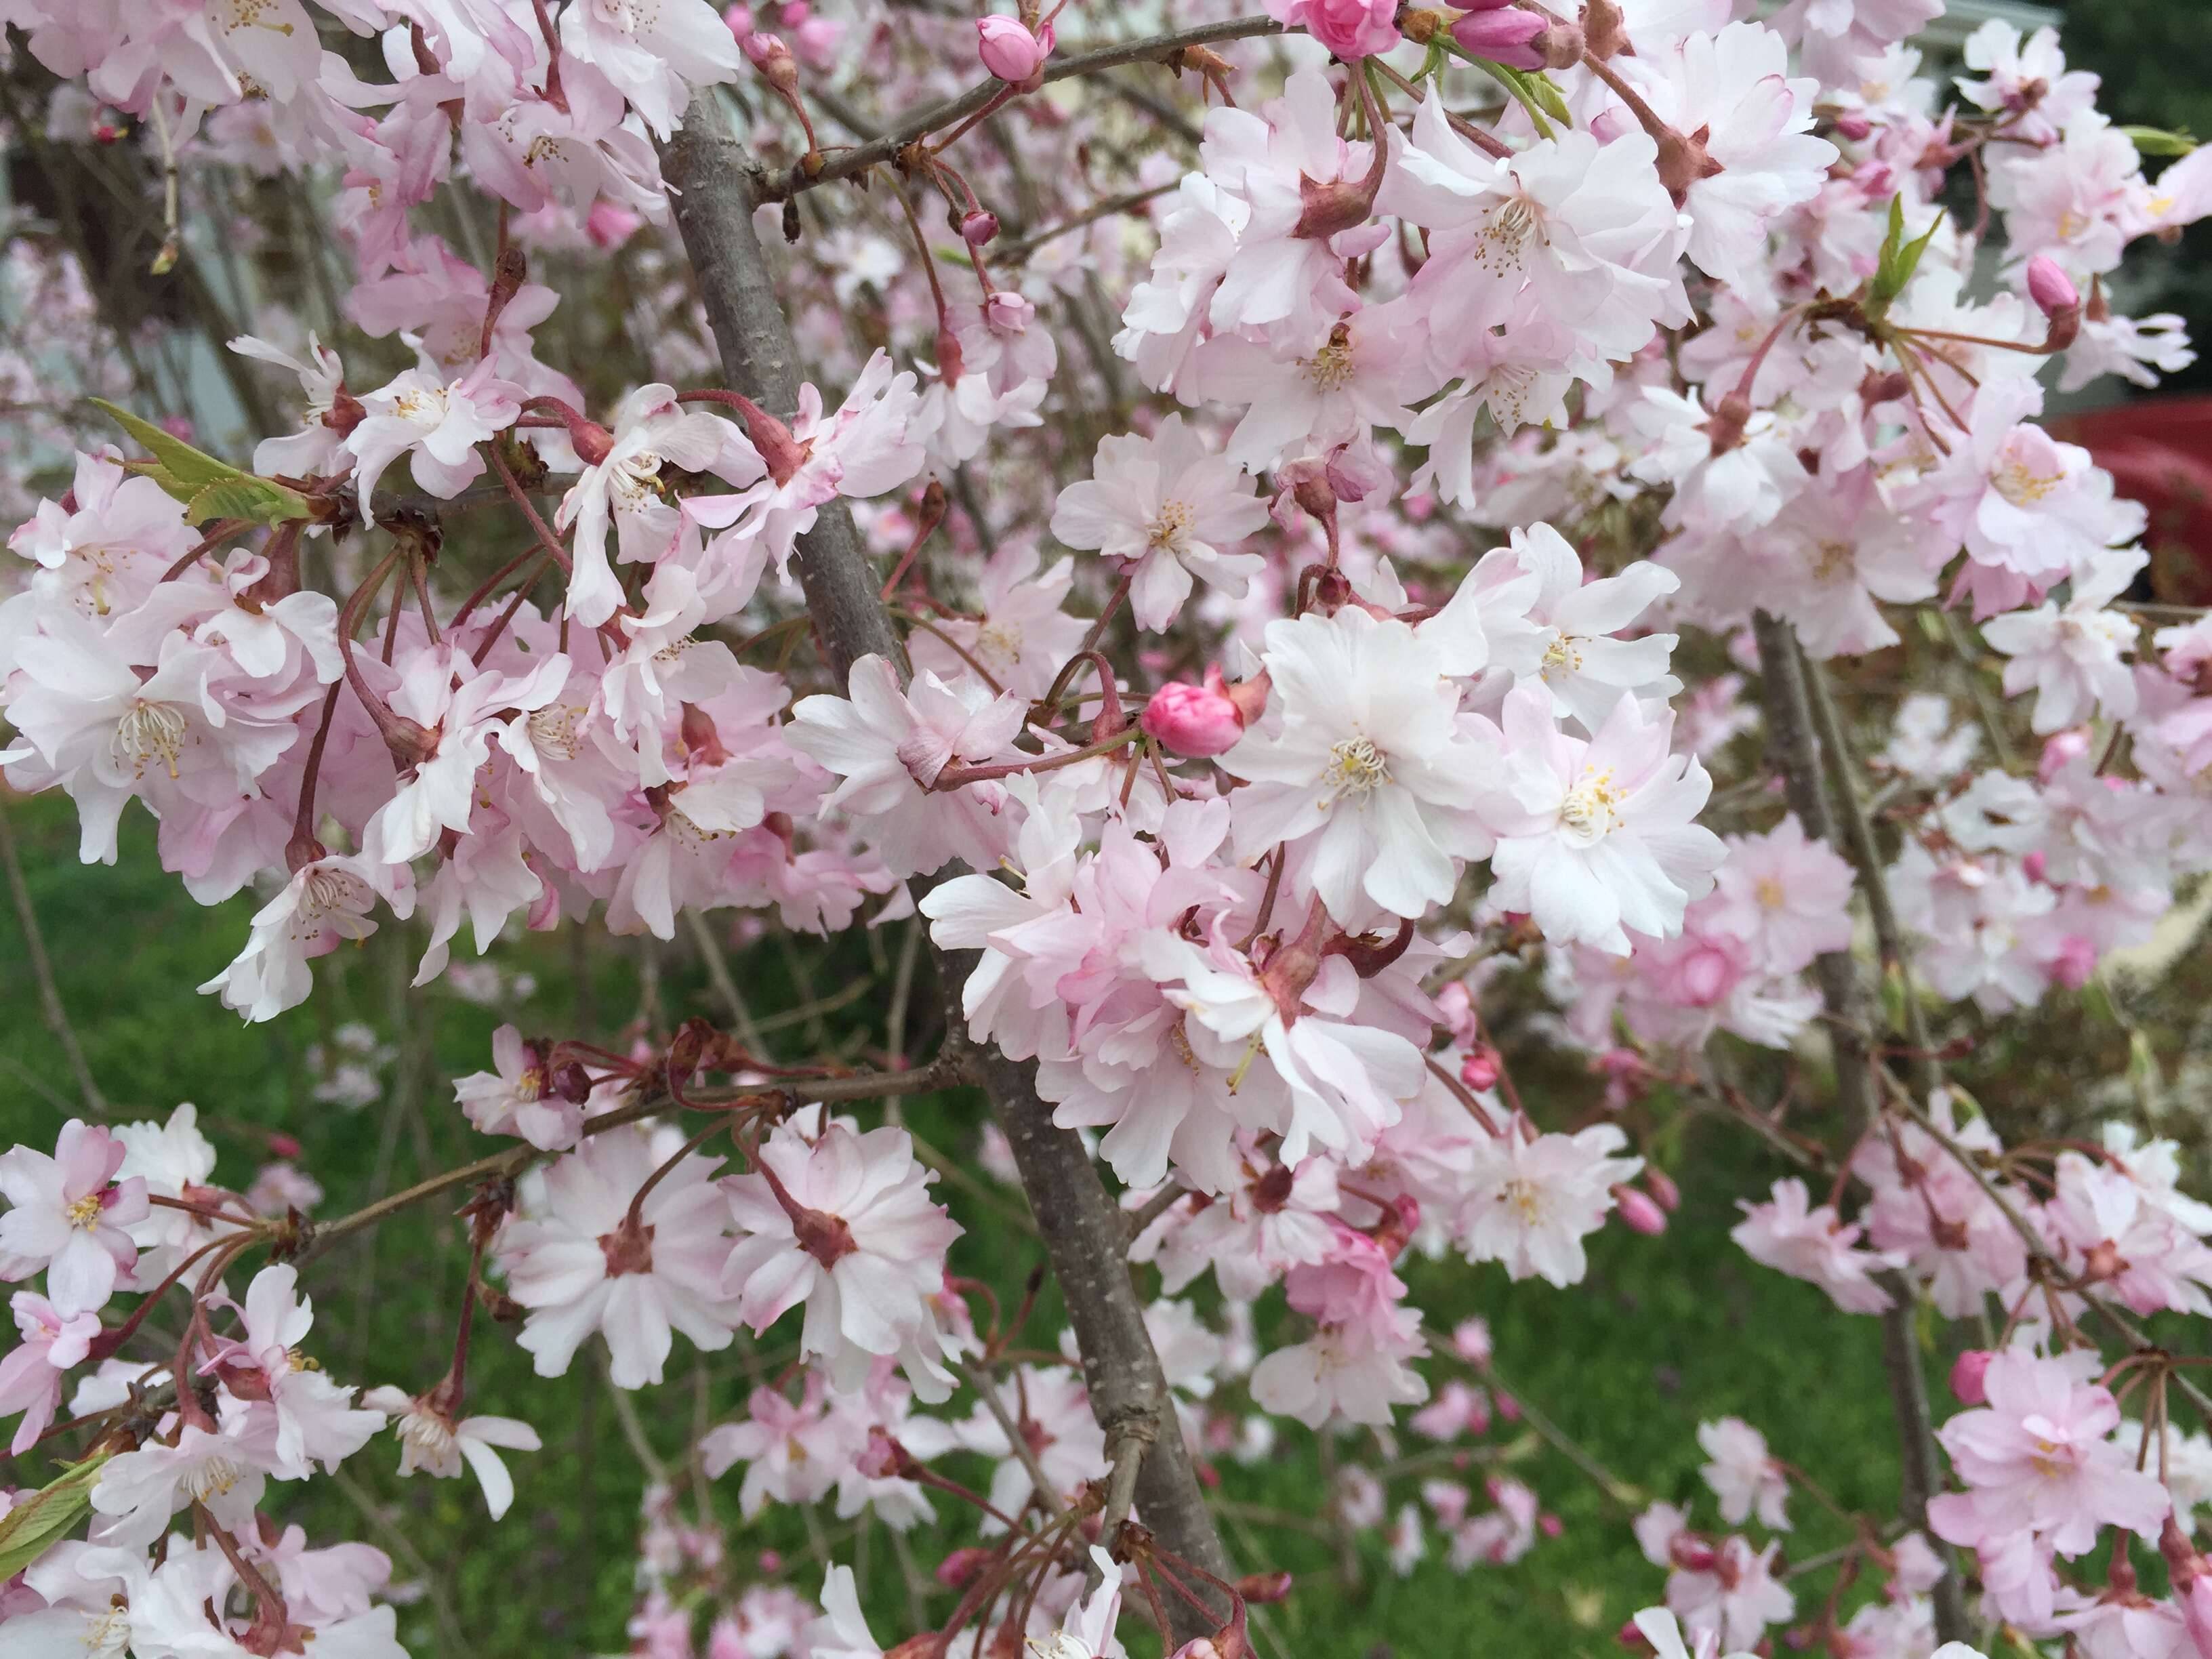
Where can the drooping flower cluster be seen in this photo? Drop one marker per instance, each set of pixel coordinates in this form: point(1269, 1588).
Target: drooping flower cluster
point(1347, 747)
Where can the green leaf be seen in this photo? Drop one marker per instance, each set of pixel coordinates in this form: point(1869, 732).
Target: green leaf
point(2157, 141)
point(44, 1519)
point(1547, 93)
point(183, 469)
point(248, 497)
point(1900, 259)
point(1511, 79)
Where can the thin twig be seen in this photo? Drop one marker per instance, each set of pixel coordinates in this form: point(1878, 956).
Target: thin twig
point(939, 117)
point(42, 972)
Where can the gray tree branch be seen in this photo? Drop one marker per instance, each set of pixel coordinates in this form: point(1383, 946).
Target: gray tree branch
point(715, 186)
point(1793, 741)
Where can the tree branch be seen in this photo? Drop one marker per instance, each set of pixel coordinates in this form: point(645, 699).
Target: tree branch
point(1794, 744)
point(714, 187)
point(42, 971)
point(1154, 49)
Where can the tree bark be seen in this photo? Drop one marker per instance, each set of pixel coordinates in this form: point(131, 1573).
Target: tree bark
point(715, 186)
point(1793, 742)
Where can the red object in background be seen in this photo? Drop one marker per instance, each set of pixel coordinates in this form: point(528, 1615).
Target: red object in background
point(2159, 451)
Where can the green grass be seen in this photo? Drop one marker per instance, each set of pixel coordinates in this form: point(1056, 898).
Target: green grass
point(1665, 1333)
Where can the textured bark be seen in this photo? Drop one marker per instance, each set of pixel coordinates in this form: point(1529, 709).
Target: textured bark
point(715, 186)
point(1793, 742)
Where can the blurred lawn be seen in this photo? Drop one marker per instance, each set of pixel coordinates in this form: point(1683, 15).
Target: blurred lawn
point(1666, 1332)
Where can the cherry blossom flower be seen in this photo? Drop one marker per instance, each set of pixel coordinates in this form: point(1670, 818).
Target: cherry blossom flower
point(273, 1396)
point(431, 1440)
point(437, 424)
point(618, 490)
point(1169, 510)
point(1787, 1234)
point(1743, 1475)
point(2073, 655)
point(2040, 1458)
point(138, 1490)
point(890, 747)
point(1531, 1203)
point(1361, 752)
point(518, 1096)
point(1607, 842)
point(69, 1216)
point(842, 1223)
point(579, 1259)
point(31, 1373)
point(327, 900)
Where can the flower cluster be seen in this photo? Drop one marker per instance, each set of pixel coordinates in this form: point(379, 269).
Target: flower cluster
point(1323, 572)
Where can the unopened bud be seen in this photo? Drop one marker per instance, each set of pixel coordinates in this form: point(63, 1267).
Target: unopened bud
point(1009, 51)
point(1662, 1189)
point(882, 1458)
point(1638, 1212)
point(958, 1569)
point(979, 228)
point(1481, 1068)
point(1192, 719)
point(1561, 45)
point(1265, 1588)
point(1966, 1374)
point(1854, 129)
point(1507, 37)
point(774, 60)
point(2051, 287)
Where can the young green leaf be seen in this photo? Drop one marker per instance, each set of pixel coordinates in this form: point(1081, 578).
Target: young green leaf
point(39, 1522)
point(187, 466)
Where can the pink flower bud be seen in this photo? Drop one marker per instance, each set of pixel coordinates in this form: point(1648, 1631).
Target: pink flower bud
point(1470, 1340)
point(739, 19)
point(958, 1569)
point(1010, 50)
point(880, 1458)
point(979, 228)
point(282, 1146)
point(2075, 962)
point(1561, 45)
point(1550, 1525)
point(773, 59)
point(1504, 37)
point(1853, 128)
point(794, 13)
point(1192, 719)
point(1638, 1213)
point(1669, 1196)
point(1351, 29)
point(2050, 287)
point(1481, 1068)
point(2060, 747)
point(1966, 1374)
point(1264, 1586)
